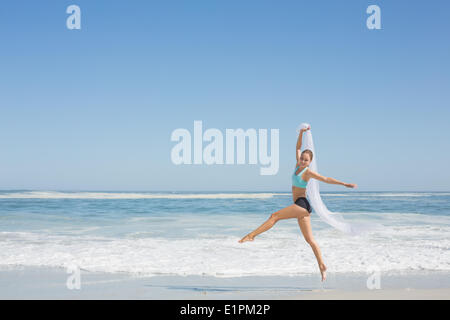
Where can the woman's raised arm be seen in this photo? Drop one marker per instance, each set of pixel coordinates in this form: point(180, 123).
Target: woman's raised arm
point(299, 143)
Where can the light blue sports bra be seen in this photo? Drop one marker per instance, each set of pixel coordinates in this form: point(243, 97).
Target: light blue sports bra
point(297, 180)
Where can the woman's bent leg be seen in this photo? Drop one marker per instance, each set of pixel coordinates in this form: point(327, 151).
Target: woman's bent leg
point(292, 211)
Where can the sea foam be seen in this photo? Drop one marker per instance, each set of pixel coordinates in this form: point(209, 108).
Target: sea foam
point(130, 195)
point(397, 248)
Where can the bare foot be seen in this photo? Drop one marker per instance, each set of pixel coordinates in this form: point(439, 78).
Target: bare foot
point(246, 238)
point(323, 270)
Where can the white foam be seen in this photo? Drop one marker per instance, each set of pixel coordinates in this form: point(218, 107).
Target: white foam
point(149, 195)
point(127, 195)
point(283, 252)
point(385, 194)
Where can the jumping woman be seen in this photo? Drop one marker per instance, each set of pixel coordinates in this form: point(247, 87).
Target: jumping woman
point(301, 208)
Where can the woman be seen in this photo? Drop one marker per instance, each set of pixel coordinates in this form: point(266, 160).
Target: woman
point(301, 208)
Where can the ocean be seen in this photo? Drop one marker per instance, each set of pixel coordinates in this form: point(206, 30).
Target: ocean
point(197, 233)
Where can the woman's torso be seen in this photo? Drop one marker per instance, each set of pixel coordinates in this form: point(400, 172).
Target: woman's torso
point(297, 191)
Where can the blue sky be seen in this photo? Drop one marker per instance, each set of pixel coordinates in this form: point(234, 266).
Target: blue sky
point(94, 109)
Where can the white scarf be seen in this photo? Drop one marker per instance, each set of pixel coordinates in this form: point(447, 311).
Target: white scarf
point(312, 191)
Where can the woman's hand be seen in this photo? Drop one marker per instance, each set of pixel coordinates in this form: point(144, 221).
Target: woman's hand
point(305, 129)
point(350, 185)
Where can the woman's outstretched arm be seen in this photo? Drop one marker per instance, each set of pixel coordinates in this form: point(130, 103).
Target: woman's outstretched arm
point(330, 180)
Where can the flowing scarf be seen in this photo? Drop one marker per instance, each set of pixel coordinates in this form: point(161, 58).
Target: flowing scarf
point(312, 192)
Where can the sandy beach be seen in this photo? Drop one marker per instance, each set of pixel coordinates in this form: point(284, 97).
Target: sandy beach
point(51, 283)
point(383, 294)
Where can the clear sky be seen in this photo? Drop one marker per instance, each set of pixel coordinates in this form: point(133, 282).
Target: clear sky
point(94, 109)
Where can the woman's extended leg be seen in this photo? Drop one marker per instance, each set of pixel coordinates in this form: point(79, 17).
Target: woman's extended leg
point(292, 211)
point(305, 227)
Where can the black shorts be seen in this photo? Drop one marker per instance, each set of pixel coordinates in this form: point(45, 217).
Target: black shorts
point(304, 203)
